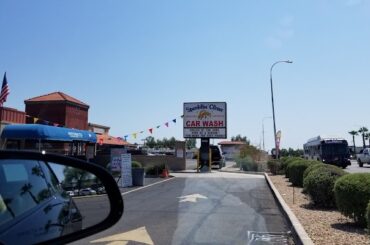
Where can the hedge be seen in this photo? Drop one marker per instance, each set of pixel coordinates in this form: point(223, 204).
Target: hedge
point(290, 163)
point(296, 170)
point(319, 184)
point(274, 166)
point(352, 195)
point(247, 164)
point(285, 163)
point(316, 164)
point(136, 164)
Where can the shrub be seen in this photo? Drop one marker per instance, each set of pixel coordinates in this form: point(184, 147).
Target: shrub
point(288, 162)
point(154, 170)
point(368, 217)
point(274, 166)
point(136, 164)
point(352, 195)
point(247, 164)
point(319, 184)
point(296, 170)
point(313, 166)
point(316, 165)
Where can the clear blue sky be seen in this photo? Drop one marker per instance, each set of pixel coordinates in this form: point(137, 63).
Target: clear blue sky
point(136, 62)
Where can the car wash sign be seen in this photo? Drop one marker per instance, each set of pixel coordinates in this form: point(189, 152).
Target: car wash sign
point(205, 120)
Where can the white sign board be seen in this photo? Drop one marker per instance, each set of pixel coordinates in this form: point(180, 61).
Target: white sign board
point(205, 120)
point(126, 176)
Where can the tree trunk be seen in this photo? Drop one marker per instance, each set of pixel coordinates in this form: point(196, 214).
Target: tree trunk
point(354, 145)
point(363, 141)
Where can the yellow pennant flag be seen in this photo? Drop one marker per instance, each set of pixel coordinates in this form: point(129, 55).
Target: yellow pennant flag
point(134, 135)
point(35, 119)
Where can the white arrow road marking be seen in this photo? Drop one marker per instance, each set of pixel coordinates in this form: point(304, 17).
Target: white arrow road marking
point(138, 235)
point(192, 198)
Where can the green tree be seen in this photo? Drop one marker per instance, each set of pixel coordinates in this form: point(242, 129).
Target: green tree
point(363, 131)
point(150, 142)
point(171, 143)
point(240, 138)
point(191, 143)
point(250, 151)
point(75, 175)
point(353, 133)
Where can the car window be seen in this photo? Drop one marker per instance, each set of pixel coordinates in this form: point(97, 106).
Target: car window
point(22, 187)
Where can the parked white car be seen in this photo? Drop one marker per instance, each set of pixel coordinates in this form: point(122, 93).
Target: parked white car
point(87, 191)
point(363, 157)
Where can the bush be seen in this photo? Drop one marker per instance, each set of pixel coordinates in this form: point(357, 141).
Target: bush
point(274, 166)
point(368, 217)
point(247, 164)
point(352, 195)
point(319, 184)
point(288, 162)
point(136, 164)
point(296, 170)
point(315, 165)
point(154, 170)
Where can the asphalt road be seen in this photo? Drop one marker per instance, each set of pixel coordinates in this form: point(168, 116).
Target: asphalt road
point(191, 164)
point(94, 209)
point(208, 208)
point(354, 168)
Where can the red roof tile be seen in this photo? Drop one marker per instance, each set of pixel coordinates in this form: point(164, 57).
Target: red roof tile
point(110, 140)
point(56, 96)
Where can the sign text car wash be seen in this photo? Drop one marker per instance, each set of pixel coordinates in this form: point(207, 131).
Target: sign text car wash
point(205, 120)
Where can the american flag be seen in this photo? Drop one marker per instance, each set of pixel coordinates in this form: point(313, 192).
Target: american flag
point(4, 91)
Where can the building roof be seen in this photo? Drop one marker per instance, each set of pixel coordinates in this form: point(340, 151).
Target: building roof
point(56, 96)
point(232, 143)
point(110, 140)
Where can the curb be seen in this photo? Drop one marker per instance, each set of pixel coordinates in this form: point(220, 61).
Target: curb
point(241, 172)
point(298, 230)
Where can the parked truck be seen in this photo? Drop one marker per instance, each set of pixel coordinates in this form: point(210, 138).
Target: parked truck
point(363, 157)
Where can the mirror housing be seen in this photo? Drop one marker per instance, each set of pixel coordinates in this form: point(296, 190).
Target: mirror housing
point(113, 193)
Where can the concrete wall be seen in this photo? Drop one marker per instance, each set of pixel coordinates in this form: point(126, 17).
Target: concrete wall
point(172, 162)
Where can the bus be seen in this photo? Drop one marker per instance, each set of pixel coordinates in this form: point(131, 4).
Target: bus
point(328, 150)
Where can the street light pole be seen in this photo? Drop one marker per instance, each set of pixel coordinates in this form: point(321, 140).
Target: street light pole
point(263, 132)
point(272, 102)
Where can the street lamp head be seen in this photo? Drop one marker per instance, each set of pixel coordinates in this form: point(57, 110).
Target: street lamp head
point(289, 61)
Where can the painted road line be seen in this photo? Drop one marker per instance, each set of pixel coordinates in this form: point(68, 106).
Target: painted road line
point(139, 235)
point(140, 188)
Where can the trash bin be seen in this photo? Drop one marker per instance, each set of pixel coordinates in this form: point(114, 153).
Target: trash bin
point(138, 176)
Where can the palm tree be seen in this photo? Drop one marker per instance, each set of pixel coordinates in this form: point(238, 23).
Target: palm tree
point(362, 131)
point(353, 133)
point(27, 189)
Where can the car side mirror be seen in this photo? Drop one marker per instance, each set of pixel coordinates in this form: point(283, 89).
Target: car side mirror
point(49, 198)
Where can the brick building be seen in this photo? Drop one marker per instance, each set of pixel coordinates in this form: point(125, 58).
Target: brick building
point(58, 108)
point(11, 116)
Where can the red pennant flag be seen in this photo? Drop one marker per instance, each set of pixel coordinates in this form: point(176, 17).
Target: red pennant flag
point(166, 124)
point(151, 130)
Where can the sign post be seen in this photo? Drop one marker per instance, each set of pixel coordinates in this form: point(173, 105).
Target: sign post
point(205, 120)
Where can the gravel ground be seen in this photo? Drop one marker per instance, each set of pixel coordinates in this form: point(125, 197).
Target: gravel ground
point(323, 226)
